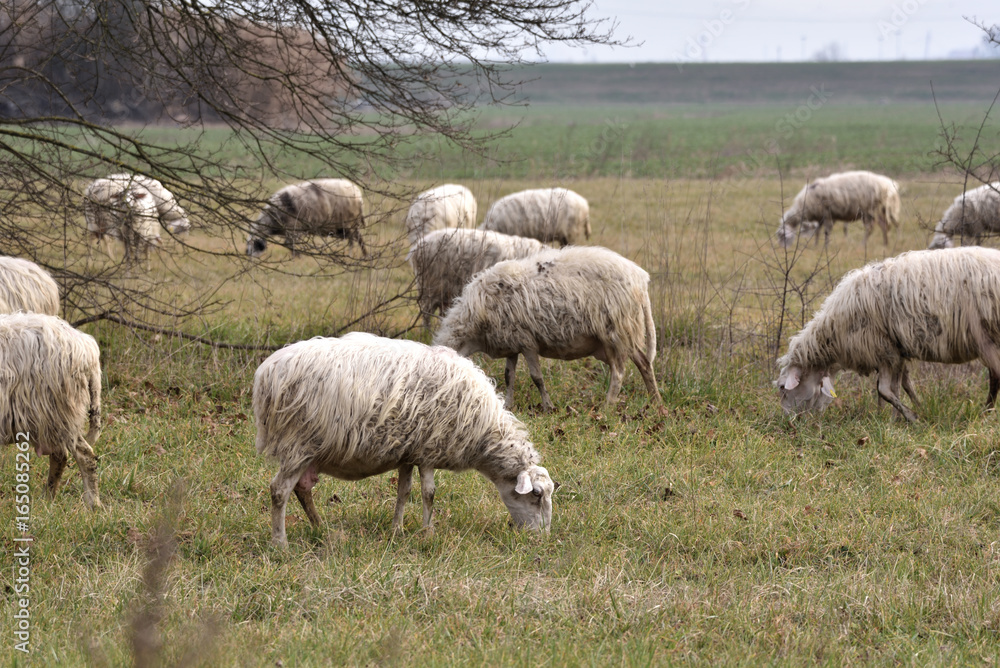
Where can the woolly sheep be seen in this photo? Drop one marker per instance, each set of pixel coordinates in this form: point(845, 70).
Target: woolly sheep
point(563, 304)
point(50, 384)
point(319, 207)
point(445, 260)
point(115, 209)
point(171, 215)
point(362, 405)
point(446, 206)
point(974, 214)
point(549, 215)
point(24, 286)
point(934, 306)
point(871, 198)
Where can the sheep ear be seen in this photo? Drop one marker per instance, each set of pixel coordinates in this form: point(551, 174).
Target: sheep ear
point(793, 379)
point(523, 483)
point(827, 388)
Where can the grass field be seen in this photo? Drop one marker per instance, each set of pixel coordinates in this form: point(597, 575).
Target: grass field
point(714, 530)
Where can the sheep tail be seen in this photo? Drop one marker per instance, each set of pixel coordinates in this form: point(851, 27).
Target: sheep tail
point(95, 405)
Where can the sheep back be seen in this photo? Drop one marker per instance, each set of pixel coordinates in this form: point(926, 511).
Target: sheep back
point(548, 214)
point(846, 196)
point(24, 286)
point(318, 207)
point(445, 206)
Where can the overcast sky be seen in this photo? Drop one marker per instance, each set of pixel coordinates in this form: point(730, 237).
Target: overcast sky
point(788, 30)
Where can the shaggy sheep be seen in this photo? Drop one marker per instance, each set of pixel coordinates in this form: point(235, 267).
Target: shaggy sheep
point(549, 214)
point(445, 260)
point(974, 214)
point(319, 207)
point(446, 206)
point(563, 304)
point(935, 306)
point(361, 405)
point(115, 209)
point(50, 385)
point(24, 286)
point(871, 198)
point(170, 213)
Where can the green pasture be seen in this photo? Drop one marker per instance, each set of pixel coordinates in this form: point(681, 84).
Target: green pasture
point(713, 530)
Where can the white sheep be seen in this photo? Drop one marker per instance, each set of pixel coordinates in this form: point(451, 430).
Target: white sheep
point(974, 214)
point(564, 304)
point(871, 198)
point(24, 286)
point(50, 385)
point(171, 215)
point(934, 306)
point(329, 207)
point(124, 210)
point(362, 405)
point(444, 261)
point(446, 206)
point(549, 215)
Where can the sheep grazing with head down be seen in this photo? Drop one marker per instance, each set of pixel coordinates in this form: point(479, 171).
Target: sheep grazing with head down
point(446, 206)
point(171, 215)
point(362, 405)
point(446, 260)
point(50, 385)
point(548, 214)
point(24, 286)
point(973, 215)
point(933, 306)
point(326, 207)
point(865, 196)
point(563, 304)
point(120, 208)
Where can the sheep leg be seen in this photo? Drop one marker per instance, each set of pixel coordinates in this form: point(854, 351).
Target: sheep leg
point(646, 369)
point(827, 225)
point(403, 488)
point(303, 492)
point(617, 366)
point(57, 462)
point(281, 488)
point(427, 495)
point(535, 369)
point(885, 383)
point(86, 460)
point(994, 386)
point(908, 388)
point(508, 379)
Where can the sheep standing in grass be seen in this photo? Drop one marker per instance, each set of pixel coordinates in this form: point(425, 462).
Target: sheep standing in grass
point(125, 210)
point(24, 286)
point(446, 206)
point(871, 198)
point(169, 212)
point(328, 207)
point(934, 306)
point(562, 304)
point(974, 214)
point(362, 405)
point(549, 215)
point(446, 260)
point(50, 385)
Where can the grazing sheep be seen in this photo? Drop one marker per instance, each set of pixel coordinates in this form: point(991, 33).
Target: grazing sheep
point(319, 207)
point(871, 198)
point(549, 214)
point(24, 286)
point(445, 260)
point(564, 304)
point(934, 306)
point(974, 214)
point(115, 209)
point(169, 212)
point(446, 206)
point(50, 385)
point(362, 405)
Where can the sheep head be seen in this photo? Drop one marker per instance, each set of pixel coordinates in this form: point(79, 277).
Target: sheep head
point(529, 498)
point(809, 390)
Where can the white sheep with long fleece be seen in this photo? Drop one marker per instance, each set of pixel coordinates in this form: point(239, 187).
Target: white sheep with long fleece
point(24, 286)
point(576, 302)
point(113, 209)
point(548, 214)
point(50, 386)
point(362, 405)
point(973, 215)
point(847, 196)
point(449, 205)
point(172, 216)
point(444, 261)
point(930, 305)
